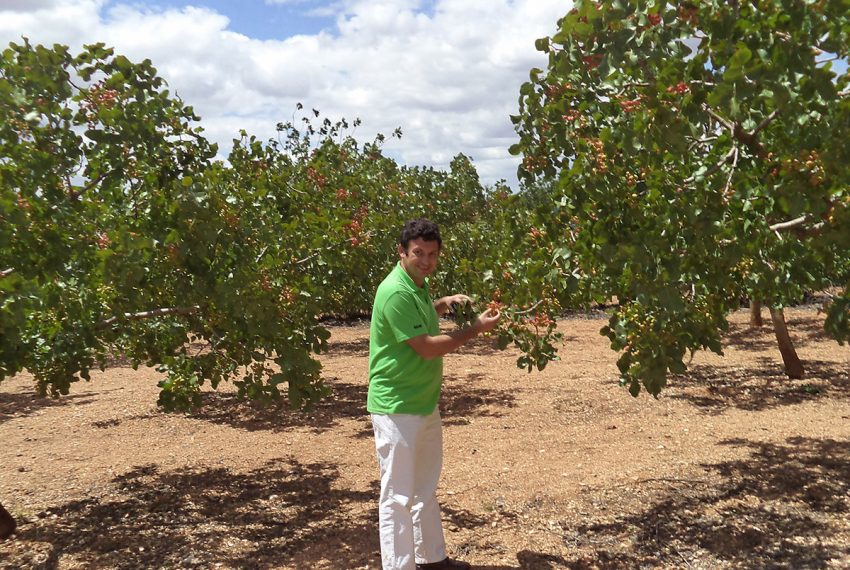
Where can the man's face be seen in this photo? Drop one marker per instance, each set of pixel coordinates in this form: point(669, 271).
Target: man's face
point(420, 259)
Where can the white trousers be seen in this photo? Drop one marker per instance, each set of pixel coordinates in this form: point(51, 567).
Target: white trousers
point(410, 455)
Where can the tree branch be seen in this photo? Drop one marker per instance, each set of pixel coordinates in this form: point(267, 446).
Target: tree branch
point(749, 139)
point(794, 226)
point(165, 311)
point(731, 170)
point(705, 140)
point(815, 49)
point(530, 309)
point(261, 254)
point(6, 272)
point(822, 61)
point(701, 142)
point(789, 224)
point(767, 120)
point(729, 156)
point(723, 121)
point(76, 194)
point(627, 87)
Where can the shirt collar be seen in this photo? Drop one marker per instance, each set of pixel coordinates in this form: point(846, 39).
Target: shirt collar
point(408, 280)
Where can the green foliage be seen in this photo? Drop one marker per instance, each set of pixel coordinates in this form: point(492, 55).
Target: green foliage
point(676, 158)
point(534, 336)
point(464, 314)
point(837, 322)
point(532, 331)
point(690, 155)
point(122, 234)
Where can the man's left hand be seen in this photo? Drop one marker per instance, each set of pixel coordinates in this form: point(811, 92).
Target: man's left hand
point(443, 304)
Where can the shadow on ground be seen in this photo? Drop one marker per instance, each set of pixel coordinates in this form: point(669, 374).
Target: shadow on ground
point(358, 347)
point(784, 506)
point(462, 518)
point(781, 506)
point(715, 389)
point(528, 560)
point(462, 400)
point(20, 405)
point(804, 330)
point(345, 402)
point(198, 518)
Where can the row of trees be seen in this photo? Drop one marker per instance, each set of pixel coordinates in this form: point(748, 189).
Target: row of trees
point(122, 234)
point(677, 158)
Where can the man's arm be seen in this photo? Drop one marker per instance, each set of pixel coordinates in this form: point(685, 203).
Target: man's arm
point(429, 347)
point(443, 304)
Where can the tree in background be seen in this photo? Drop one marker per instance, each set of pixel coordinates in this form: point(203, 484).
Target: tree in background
point(122, 234)
point(696, 155)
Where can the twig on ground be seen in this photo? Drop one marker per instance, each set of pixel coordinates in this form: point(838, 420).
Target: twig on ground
point(455, 493)
point(670, 480)
point(685, 560)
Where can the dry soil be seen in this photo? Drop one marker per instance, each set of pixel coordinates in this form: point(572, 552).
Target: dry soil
point(733, 466)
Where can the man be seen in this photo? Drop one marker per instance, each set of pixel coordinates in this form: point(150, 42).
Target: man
point(405, 375)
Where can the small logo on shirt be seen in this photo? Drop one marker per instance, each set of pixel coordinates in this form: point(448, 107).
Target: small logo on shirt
point(419, 326)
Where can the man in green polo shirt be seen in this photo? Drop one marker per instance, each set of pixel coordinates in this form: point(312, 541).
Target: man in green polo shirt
point(405, 375)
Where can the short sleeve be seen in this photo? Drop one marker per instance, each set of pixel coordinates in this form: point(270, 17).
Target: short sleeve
point(404, 318)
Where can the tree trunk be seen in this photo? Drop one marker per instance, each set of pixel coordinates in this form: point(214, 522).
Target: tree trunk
point(755, 314)
point(7, 523)
point(793, 366)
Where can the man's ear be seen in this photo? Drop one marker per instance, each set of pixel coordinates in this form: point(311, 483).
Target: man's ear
point(401, 251)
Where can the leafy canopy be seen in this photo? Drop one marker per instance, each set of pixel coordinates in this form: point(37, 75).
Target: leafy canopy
point(123, 236)
point(695, 155)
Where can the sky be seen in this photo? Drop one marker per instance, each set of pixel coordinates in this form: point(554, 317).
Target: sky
point(447, 72)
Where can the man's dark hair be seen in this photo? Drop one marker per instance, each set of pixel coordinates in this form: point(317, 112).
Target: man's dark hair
point(421, 228)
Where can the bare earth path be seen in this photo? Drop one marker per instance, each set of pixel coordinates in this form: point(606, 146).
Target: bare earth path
point(732, 467)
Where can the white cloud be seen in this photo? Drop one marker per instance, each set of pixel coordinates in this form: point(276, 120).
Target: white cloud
point(448, 76)
point(50, 21)
point(27, 5)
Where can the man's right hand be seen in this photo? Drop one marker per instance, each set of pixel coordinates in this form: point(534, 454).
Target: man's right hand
point(429, 347)
point(487, 320)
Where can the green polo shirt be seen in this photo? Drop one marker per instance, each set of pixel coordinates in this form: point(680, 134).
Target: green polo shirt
point(401, 381)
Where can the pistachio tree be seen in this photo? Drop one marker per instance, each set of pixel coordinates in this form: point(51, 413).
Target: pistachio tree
point(121, 236)
point(125, 235)
point(697, 156)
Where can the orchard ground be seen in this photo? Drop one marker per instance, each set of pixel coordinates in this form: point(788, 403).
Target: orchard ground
point(732, 467)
